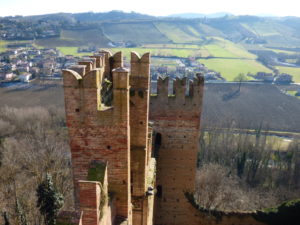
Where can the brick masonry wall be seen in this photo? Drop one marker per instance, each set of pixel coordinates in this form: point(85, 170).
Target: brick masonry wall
point(177, 119)
point(97, 134)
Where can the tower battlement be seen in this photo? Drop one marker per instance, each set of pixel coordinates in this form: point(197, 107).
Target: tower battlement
point(179, 87)
point(99, 117)
point(180, 98)
point(108, 113)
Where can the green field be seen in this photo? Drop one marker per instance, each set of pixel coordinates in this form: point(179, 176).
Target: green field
point(294, 71)
point(164, 62)
point(178, 46)
point(72, 51)
point(230, 68)
point(282, 51)
point(3, 45)
point(134, 32)
point(70, 38)
point(293, 93)
point(179, 33)
point(262, 28)
point(222, 48)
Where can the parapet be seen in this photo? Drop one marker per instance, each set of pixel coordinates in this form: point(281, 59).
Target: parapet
point(85, 70)
point(100, 83)
point(140, 66)
point(179, 87)
point(180, 97)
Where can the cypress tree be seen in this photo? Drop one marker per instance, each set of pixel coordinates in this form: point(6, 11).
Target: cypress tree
point(5, 218)
point(49, 200)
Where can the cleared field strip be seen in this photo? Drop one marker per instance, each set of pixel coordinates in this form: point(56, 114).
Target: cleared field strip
point(230, 68)
point(179, 33)
point(294, 71)
point(72, 51)
point(134, 32)
point(222, 48)
point(3, 45)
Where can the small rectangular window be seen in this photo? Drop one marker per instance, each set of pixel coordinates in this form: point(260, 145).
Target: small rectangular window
point(159, 191)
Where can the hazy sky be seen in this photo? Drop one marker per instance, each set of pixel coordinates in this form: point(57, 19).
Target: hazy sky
point(153, 7)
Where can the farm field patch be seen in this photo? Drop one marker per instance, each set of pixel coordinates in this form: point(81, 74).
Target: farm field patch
point(3, 45)
point(71, 51)
point(294, 71)
point(230, 68)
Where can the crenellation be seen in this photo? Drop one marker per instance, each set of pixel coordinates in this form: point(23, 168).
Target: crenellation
point(80, 69)
point(92, 79)
point(179, 89)
point(107, 63)
point(139, 113)
point(117, 60)
point(121, 138)
point(162, 88)
point(89, 63)
point(71, 78)
point(100, 59)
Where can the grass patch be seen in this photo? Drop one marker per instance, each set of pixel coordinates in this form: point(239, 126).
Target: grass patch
point(283, 51)
point(3, 45)
point(293, 93)
point(222, 48)
point(294, 71)
point(85, 37)
point(184, 46)
point(179, 33)
point(262, 28)
point(164, 62)
point(71, 51)
point(71, 38)
point(230, 68)
point(138, 32)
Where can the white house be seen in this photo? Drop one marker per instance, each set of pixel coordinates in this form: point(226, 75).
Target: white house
point(25, 77)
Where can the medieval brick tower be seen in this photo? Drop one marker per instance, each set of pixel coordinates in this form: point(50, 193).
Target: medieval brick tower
point(176, 122)
point(107, 110)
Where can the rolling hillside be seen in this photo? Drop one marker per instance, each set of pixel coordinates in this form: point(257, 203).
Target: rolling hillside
point(222, 44)
point(255, 105)
point(135, 32)
point(248, 109)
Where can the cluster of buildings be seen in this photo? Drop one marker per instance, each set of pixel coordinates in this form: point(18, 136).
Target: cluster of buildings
point(17, 29)
point(25, 64)
point(185, 68)
point(282, 78)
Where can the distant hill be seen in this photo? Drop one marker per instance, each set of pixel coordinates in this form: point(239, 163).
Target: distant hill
point(201, 15)
point(89, 16)
point(118, 26)
point(112, 15)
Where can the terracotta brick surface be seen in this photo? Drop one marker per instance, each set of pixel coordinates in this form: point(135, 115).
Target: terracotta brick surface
point(177, 119)
point(120, 136)
point(97, 134)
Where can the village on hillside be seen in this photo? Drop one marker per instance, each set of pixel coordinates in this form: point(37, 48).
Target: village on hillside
point(26, 64)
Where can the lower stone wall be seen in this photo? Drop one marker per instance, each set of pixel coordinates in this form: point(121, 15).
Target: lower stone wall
point(287, 213)
point(69, 218)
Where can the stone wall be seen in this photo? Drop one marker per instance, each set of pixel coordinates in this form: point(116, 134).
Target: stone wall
point(115, 134)
point(98, 132)
point(176, 123)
